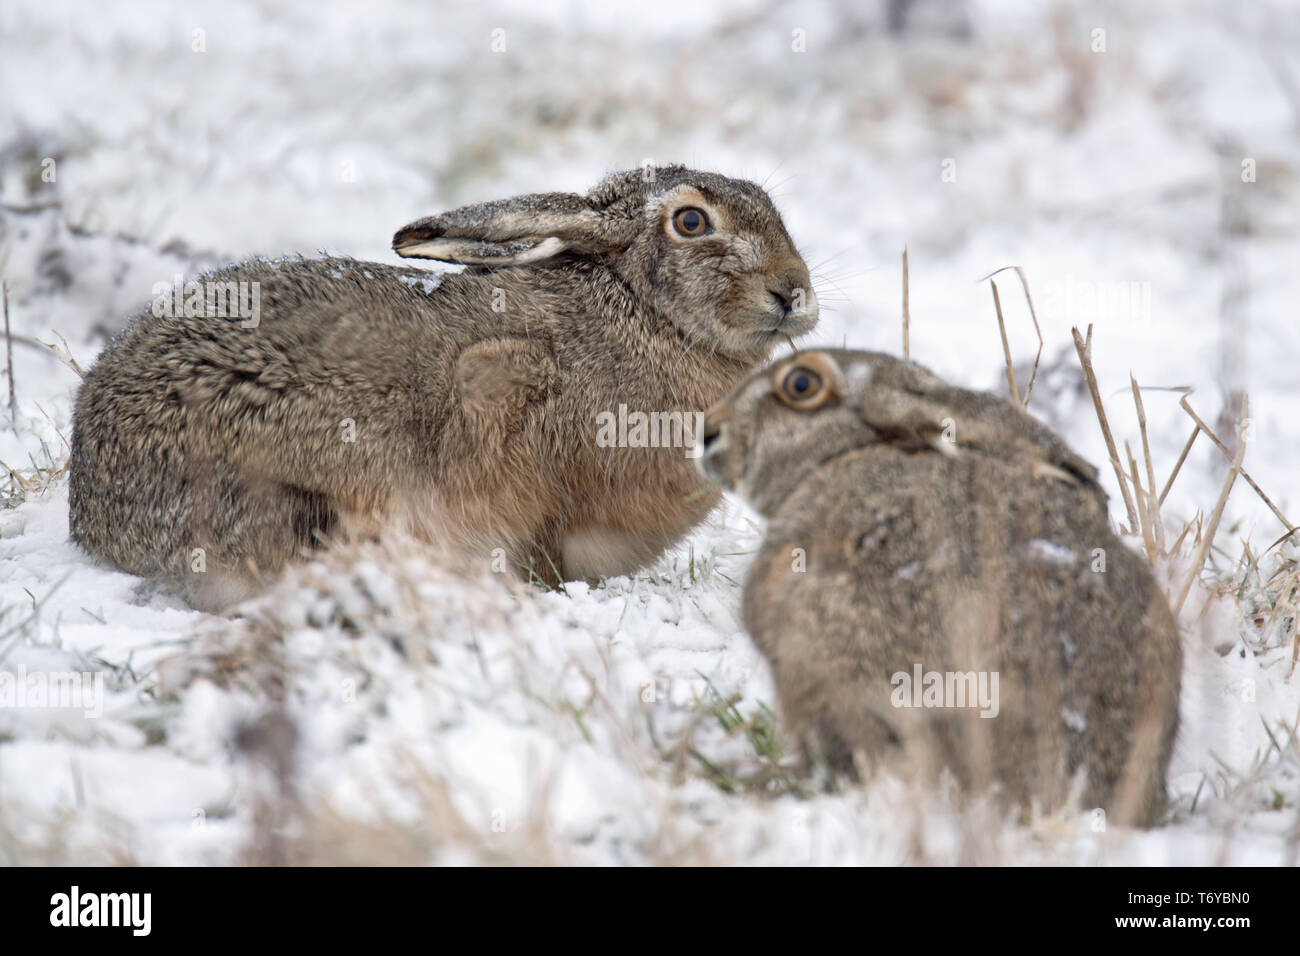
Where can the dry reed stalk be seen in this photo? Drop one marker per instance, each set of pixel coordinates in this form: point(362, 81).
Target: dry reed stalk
point(1207, 539)
point(1084, 348)
point(1158, 527)
point(1144, 513)
point(907, 313)
point(1006, 346)
point(1033, 315)
point(1178, 466)
point(9, 356)
point(1227, 453)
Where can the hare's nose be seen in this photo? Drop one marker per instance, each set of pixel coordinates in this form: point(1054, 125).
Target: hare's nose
point(784, 299)
point(788, 288)
point(708, 453)
point(711, 433)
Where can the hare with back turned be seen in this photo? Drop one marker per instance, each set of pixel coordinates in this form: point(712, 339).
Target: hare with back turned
point(209, 451)
point(927, 545)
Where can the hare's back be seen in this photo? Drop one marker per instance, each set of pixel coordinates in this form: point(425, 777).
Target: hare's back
point(961, 565)
point(947, 542)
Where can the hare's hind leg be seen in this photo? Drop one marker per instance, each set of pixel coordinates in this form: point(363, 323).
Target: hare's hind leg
point(242, 532)
point(595, 550)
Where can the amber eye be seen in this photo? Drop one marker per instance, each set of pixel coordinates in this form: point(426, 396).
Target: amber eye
point(691, 222)
point(801, 385)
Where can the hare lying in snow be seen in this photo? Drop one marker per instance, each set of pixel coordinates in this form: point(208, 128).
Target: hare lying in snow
point(939, 586)
point(209, 450)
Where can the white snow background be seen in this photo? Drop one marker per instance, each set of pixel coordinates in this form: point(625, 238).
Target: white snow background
point(375, 707)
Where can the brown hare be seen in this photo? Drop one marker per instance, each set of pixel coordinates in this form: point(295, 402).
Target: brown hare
point(939, 587)
point(210, 449)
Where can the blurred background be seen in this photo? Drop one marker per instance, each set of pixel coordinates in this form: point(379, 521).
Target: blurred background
point(1141, 164)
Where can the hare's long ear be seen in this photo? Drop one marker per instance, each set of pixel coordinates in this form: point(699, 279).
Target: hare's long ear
point(507, 232)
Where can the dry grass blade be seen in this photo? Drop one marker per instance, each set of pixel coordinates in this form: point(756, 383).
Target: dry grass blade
point(1157, 526)
point(1207, 539)
point(1179, 542)
point(1084, 348)
point(9, 355)
point(1285, 583)
point(1006, 346)
point(907, 313)
point(1144, 512)
point(1279, 541)
point(1178, 465)
point(64, 354)
point(1227, 453)
point(1295, 653)
point(18, 483)
point(1033, 315)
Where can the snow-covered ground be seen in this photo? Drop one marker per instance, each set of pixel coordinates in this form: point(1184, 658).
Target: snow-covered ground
point(376, 707)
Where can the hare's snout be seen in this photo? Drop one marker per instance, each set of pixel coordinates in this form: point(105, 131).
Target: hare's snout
point(713, 462)
point(708, 463)
point(790, 299)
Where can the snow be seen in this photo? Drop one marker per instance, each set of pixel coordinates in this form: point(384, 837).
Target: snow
point(439, 720)
point(425, 284)
point(1049, 552)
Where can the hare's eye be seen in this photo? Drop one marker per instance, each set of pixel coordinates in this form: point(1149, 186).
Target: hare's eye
point(690, 222)
point(801, 384)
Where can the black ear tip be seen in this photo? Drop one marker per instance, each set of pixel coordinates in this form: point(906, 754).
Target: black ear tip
point(414, 234)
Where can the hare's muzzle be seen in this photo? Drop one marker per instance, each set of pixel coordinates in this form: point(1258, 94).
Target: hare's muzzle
point(791, 299)
point(710, 437)
point(713, 444)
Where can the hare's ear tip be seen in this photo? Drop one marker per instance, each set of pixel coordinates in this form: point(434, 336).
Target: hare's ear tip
point(408, 240)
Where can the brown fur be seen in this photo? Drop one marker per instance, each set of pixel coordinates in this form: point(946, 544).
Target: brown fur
point(474, 404)
point(946, 528)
